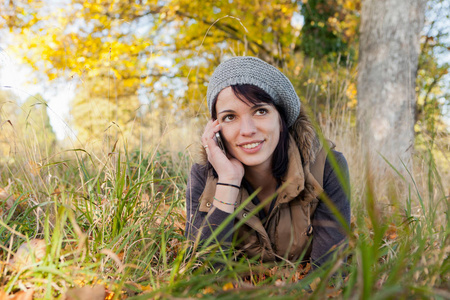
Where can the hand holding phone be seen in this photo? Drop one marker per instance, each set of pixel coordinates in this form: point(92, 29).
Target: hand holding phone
point(228, 168)
point(220, 143)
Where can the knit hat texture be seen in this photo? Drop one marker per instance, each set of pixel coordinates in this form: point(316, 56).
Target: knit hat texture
point(254, 71)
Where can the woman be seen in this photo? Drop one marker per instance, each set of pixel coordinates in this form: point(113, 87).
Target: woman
point(271, 148)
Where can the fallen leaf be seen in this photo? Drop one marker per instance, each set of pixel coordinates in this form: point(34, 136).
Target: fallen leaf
point(3, 295)
point(334, 293)
point(228, 286)
point(121, 255)
point(279, 283)
point(34, 168)
point(96, 292)
point(315, 283)
point(56, 192)
point(109, 295)
point(208, 290)
point(28, 253)
point(6, 196)
point(22, 295)
point(391, 233)
point(145, 197)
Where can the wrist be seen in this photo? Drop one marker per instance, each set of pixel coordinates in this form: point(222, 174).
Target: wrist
point(227, 207)
point(228, 185)
point(230, 180)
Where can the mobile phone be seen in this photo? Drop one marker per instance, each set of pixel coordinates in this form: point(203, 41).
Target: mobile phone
point(220, 142)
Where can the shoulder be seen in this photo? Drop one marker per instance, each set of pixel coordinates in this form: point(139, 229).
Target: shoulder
point(339, 157)
point(335, 164)
point(199, 173)
point(196, 183)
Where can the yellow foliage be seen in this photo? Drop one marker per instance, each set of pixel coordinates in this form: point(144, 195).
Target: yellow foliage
point(228, 286)
point(168, 51)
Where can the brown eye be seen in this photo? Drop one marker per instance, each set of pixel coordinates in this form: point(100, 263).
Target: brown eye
point(261, 112)
point(228, 118)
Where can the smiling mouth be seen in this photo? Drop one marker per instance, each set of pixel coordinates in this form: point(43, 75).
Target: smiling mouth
point(251, 146)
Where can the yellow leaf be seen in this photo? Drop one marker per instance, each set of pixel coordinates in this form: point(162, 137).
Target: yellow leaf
point(208, 290)
point(314, 284)
point(228, 286)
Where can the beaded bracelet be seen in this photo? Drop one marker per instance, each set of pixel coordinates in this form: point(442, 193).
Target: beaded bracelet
point(234, 204)
point(228, 184)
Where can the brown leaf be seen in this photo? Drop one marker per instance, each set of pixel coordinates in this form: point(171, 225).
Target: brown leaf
point(28, 253)
point(56, 192)
point(208, 290)
point(145, 197)
point(22, 295)
point(6, 196)
point(121, 255)
point(391, 233)
point(96, 292)
point(3, 295)
point(334, 293)
point(34, 168)
point(279, 282)
point(315, 283)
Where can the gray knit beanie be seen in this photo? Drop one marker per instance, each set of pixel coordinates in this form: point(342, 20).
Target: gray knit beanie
point(252, 70)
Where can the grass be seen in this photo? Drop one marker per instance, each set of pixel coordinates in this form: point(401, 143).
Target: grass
point(116, 218)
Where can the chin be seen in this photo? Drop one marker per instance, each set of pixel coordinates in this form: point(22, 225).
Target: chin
point(253, 162)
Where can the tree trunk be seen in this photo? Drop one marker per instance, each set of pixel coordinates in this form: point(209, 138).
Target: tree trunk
point(388, 61)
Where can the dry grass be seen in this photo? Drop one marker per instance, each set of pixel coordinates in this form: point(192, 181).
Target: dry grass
point(113, 215)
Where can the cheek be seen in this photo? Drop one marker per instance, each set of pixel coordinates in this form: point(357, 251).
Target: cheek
point(227, 134)
point(231, 129)
point(276, 133)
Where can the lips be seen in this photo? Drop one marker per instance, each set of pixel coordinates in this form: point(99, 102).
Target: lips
point(251, 147)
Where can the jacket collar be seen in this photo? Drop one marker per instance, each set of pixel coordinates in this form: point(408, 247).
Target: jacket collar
point(293, 182)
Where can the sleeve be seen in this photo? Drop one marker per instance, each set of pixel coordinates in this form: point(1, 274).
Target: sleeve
point(198, 222)
point(328, 232)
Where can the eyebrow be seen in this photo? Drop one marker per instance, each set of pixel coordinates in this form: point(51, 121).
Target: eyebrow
point(256, 106)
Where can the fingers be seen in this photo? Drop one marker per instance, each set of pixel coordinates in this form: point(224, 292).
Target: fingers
point(208, 135)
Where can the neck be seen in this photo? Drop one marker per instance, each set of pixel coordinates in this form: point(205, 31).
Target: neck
point(261, 177)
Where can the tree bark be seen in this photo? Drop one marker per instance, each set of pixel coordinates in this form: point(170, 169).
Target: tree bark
point(388, 61)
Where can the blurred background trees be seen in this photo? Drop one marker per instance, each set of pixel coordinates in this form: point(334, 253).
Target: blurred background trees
point(139, 64)
point(388, 62)
point(8, 117)
point(34, 124)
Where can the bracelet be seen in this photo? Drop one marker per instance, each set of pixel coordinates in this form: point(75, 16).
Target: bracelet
point(228, 184)
point(234, 204)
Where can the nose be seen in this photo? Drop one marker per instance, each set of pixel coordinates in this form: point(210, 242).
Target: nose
point(248, 127)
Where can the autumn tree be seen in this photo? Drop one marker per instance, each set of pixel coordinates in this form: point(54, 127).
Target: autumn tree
point(170, 46)
point(388, 61)
point(34, 126)
point(330, 28)
point(165, 51)
point(19, 14)
point(105, 110)
point(433, 76)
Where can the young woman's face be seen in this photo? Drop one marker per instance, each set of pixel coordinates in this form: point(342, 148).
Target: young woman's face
point(250, 132)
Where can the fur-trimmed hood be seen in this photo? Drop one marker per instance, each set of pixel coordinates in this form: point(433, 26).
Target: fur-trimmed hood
point(303, 133)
